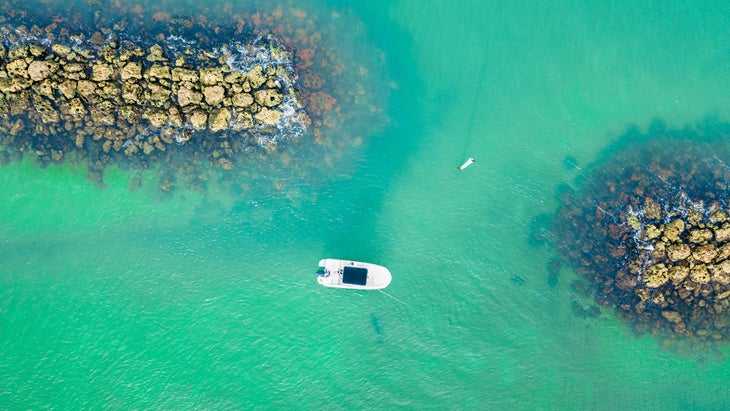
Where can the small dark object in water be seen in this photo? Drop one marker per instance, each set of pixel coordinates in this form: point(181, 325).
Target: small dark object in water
point(376, 327)
point(376, 324)
point(570, 163)
point(578, 309)
point(593, 311)
point(554, 271)
point(517, 280)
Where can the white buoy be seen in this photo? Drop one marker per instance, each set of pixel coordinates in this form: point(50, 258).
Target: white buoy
point(467, 163)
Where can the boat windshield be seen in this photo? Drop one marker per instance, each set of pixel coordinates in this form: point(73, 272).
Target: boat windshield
point(355, 275)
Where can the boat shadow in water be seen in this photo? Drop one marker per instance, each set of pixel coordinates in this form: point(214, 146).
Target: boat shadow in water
point(376, 327)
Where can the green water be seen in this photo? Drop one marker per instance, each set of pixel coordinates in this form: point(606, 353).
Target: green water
point(123, 299)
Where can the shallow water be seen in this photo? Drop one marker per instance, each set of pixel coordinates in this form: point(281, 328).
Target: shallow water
point(128, 299)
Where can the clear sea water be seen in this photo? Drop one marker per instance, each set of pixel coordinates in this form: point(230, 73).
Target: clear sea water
point(119, 299)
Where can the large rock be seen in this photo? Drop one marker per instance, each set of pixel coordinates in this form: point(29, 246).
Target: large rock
point(678, 252)
point(76, 108)
point(17, 68)
point(678, 273)
point(131, 93)
point(102, 72)
point(673, 230)
point(268, 117)
point(198, 119)
point(651, 232)
point(699, 236)
point(156, 54)
point(60, 50)
point(214, 95)
point(672, 316)
point(705, 253)
point(68, 89)
point(13, 85)
point(46, 110)
point(268, 97)
point(158, 92)
point(656, 275)
point(243, 120)
point(256, 77)
point(157, 118)
point(220, 119)
point(86, 89)
point(699, 274)
point(131, 71)
point(74, 71)
point(159, 72)
point(186, 97)
point(242, 100)
point(722, 234)
point(211, 76)
point(184, 75)
point(39, 70)
point(723, 252)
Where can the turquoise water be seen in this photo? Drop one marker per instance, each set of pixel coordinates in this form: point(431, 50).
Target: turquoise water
point(123, 299)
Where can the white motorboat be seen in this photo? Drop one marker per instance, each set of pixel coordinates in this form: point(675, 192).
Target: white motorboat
point(352, 274)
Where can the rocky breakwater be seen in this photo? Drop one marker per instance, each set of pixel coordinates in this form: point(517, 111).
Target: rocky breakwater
point(649, 228)
point(683, 269)
point(114, 96)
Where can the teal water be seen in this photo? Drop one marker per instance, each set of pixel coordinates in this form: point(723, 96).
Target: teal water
point(122, 299)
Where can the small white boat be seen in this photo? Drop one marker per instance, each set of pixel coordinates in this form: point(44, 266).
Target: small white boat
point(352, 274)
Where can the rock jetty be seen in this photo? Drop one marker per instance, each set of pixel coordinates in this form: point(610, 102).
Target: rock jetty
point(137, 100)
point(650, 228)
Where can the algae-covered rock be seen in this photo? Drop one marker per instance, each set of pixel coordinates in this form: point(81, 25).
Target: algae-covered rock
point(214, 95)
point(211, 76)
point(267, 116)
point(722, 234)
point(102, 72)
point(672, 316)
point(17, 68)
point(656, 275)
point(242, 100)
point(673, 230)
point(678, 252)
point(156, 54)
point(699, 274)
point(699, 236)
point(184, 75)
point(157, 118)
point(268, 97)
point(68, 89)
point(678, 273)
point(256, 77)
point(186, 97)
point(131, 71)
point(220, 119)
point(39, 70)
point(160, 72)
point(198, 119)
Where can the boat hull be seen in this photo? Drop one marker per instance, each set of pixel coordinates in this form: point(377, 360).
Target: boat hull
point(354, 275)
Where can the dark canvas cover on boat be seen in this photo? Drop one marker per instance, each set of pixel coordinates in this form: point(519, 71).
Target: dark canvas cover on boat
point(355, 275)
